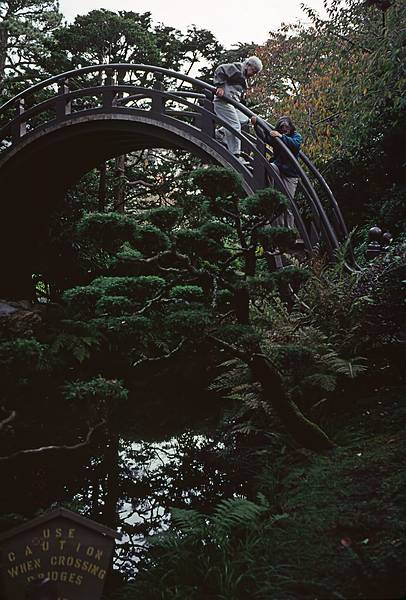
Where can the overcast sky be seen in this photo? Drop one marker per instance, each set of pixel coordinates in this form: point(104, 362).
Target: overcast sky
point(231, 22)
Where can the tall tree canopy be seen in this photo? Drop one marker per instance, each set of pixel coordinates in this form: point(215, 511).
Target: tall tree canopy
point(343, 81)
point(24, 27)
point(103, 36)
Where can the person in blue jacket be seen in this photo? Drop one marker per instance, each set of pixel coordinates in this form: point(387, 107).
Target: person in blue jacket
point(285, 130)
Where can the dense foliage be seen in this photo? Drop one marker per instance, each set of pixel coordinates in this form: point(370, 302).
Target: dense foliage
point(241, 425)
point(343, 81)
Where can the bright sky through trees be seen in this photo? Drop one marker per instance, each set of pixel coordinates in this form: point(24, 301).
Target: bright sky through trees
point(231, 22)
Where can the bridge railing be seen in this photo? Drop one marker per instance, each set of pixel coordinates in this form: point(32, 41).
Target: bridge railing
point(140, 89)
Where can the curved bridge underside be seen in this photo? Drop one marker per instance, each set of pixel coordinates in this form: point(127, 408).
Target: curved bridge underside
point(56, 131)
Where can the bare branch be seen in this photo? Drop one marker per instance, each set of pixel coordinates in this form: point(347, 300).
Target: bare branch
point(349, 41)
point(8, 419)
point(299, 300)
point(158, 298)
point(162, 357)
point(183, 258)
point(328, 119)
point(232, 349)
point(140, 182)
point(45, 449)
point(259, 224)
point(232, 258)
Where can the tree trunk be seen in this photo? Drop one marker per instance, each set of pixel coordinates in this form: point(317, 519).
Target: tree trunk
point(242, 305)
point(102, 194)
point(242, 294)
point(120, 185)
point(112, 490)
point(306, 433)
point(3, 49)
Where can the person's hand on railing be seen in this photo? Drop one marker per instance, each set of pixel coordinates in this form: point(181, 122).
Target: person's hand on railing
point(220, 92)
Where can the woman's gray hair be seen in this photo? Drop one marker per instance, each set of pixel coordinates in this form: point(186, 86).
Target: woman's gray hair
point(254, 62)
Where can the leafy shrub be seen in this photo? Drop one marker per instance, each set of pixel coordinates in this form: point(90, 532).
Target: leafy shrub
point(165, 217)
point(193, 243)
point(268, 203)
point(188, 321)
point(138, 289)
point(280, 237)
point(216, 230)
point(107, 230)
point(114, 306)
point(22, 356)
point(96, 389)
point(150, 240)
point(131, 330)
point(392, 214)
point(190, 293)
point(217, 182)
point(82, 299)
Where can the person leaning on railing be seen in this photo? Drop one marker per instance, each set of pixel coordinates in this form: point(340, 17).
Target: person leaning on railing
point(230, 80)
point(285, 130)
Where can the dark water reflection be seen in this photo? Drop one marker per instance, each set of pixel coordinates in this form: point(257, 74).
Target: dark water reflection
point(153, 477)
point(130, 482)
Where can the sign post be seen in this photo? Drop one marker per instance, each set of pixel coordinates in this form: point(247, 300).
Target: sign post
point(58, 556)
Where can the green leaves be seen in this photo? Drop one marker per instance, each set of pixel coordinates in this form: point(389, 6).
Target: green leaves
point(196, 244)
point(164, 217)
point(288, 276)
point(189, 293)
point(82, 299)
point(138, 289)
point(268, 203)
point(96, 390)
point(129, 331)
point(22, 356)
point(217, 182)
point(150, 240)
point(78, 346)
point(229, 514)
point(26, 26)
point(216, 230)
point(104, 36)
point(114, 306)
point(280, 237)
point(188, 521)
point(107, 230)
point(191, 322)
point(233, 512)
point(351, 368)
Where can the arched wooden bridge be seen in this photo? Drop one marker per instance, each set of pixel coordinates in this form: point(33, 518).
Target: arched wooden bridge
point(54, 132)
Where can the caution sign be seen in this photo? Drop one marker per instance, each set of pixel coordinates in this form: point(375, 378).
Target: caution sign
point(61, 553)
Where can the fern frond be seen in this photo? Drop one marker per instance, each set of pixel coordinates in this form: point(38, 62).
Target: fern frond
point(231, 512)
point(324, 381)
point(188, 521)
point(236, 374)
point(348, 367)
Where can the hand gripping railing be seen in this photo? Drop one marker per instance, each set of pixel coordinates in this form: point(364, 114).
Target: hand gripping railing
point(133, 89)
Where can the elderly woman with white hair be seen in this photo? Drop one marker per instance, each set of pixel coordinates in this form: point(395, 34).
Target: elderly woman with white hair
point(231, 82)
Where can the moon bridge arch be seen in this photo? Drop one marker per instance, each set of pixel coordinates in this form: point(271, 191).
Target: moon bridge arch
point(57, 130)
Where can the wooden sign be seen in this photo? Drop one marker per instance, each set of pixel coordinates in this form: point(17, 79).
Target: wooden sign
point(63, 553)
